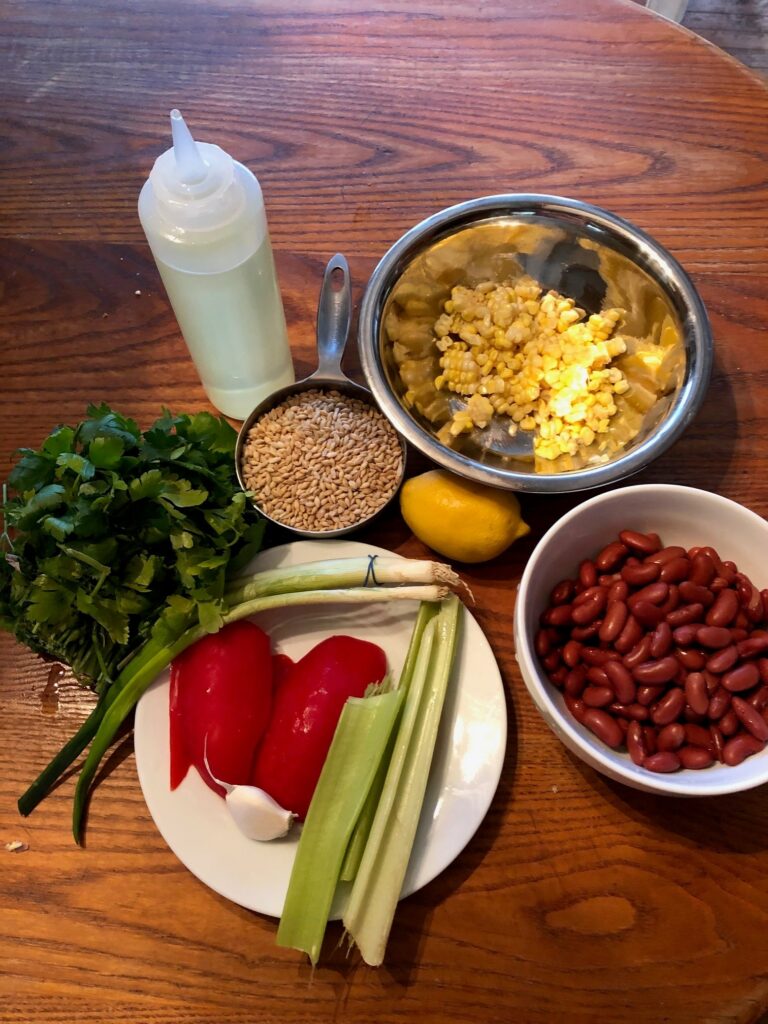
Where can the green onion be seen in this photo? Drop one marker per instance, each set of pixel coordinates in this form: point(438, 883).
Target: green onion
point(372, 902)
point(358, 745)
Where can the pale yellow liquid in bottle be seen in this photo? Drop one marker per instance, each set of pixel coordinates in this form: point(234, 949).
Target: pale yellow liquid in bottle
point(234, 326)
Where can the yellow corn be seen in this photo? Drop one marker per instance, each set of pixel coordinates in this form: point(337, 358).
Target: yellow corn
point(535, 358)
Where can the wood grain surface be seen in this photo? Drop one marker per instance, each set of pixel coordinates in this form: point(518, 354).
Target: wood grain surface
point(578, 900)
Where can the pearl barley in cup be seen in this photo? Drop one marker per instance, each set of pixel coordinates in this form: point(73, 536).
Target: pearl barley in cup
point(322, 461)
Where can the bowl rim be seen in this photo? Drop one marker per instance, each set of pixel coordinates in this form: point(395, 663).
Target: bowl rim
point(656, 261)
point(539, 688)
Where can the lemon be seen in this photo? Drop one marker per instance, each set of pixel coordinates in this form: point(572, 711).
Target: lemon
point(462, 520)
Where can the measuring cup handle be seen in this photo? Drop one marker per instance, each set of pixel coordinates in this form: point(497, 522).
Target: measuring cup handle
point(333, 316)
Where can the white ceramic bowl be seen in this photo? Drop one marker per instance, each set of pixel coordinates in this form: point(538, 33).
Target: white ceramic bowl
point(680, 515)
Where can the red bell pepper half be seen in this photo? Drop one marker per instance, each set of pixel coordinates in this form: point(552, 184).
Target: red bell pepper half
point(221, 689)
point(307, 706)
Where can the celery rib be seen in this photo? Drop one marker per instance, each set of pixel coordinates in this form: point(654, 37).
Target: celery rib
point(358, 744)
point(372, 902)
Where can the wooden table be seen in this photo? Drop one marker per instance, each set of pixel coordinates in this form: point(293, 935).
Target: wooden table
point(578, 900)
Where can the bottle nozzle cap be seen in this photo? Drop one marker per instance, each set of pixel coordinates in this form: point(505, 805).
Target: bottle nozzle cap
point(189, 164)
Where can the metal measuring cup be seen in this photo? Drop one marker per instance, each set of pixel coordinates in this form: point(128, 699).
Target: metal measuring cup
point(333, 319)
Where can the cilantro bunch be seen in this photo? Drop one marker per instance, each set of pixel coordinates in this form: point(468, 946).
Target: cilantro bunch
point(112, 535)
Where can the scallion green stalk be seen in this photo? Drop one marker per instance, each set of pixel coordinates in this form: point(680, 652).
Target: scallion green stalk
point(359, 742)
point(372, 902)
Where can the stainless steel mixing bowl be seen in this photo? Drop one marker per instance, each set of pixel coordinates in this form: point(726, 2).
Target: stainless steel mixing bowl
point(582, 252)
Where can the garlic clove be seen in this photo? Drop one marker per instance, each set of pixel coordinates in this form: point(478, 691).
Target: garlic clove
point(257, 815)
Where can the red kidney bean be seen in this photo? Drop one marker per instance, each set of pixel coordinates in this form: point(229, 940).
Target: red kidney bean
point(575, 681)
point(718, 584)
point(667, 554)
point(582, 633)
point(723, 660)
point(764, 596)
point(742, 622)
point(717, 742)
point(542, 643)
point(691, 718)
point(742, 678)
point(618, 591)
point(598, 677)
point(587, 594)
point(649, 735)
point(690, 658)
point(697, 736)
point(640, 575)
point(685, 614)
point(696, 693)
point(572, 653)
point(654, 593)
point(729, 724)
point(661, 640)
point(751, 719)
point(589, 610)
point(695, 758)
point(552, 661)
point(685, 635)
point(562, 592)
point(629, 636)
point(558, 616)
point(752, 645)
point(669, 707)
point(576, 707)
point(673, 600)
point(623, 724)
point(595, 656)
point(644, 543)
point(693, 594)
point(640, 652)
point(597, 696)
point(608, 580)
point(702, 569)
point(647, 614)
point(636, 743)
point(762, 668)
point(740, 747)
point(664, 761)
point(635, 712)
point(587, 573)
point(654, 673)
point(646, 695)
point(712, 681)
point(714, 637)
point(559, 676)
point(738, 635)
point(611, 555)
point(759, 699)
point(671, 736)
point(724, 610)
point(675, 570)
point(621, 681)
point(613, 621)
point(719, 703)
point(603, 726)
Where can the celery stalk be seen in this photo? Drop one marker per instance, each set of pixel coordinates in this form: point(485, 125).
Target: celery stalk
point(376, 890)
point(358, 744)
point(354, 853)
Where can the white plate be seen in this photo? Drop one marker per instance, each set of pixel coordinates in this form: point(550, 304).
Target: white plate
point(465, 772)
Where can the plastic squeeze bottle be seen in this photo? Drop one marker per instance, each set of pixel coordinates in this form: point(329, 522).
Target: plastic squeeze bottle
point(204, 218)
